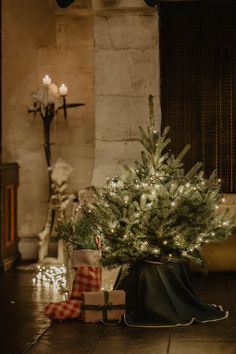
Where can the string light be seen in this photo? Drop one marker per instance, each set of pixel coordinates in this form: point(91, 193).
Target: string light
point(126, 199)
point(51, 275)
point(144, 245)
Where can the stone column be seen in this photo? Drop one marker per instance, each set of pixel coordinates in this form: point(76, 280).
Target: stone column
point(126, 72)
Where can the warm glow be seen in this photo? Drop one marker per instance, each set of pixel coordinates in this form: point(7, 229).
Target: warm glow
point(47, 80)
point(63, 90)
point(51, 276)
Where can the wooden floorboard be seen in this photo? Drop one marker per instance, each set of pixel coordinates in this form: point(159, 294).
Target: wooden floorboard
point(25, 329)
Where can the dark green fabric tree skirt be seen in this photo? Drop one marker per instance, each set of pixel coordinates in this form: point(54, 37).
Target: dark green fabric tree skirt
point(159, 295)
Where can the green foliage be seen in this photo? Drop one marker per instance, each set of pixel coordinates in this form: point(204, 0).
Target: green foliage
point(155, 211)
point(77, 232)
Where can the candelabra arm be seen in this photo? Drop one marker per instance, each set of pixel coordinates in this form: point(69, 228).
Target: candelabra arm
point(64, 107)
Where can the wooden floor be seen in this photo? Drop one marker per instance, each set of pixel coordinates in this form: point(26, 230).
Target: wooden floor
point(25, 329)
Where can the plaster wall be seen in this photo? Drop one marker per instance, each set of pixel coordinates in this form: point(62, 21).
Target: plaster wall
point(38, 39)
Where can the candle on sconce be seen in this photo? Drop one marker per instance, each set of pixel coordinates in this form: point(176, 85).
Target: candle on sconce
point(47, 80)
point(63, 90)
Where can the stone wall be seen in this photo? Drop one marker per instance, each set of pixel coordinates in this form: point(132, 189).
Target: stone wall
point(126, 72)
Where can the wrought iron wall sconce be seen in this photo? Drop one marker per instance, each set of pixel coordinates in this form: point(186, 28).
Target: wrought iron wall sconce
point(47, 101)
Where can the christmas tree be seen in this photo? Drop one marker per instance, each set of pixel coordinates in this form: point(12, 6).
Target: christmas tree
point(155, 211)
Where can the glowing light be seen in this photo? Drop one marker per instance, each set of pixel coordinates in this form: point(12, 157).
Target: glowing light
point(126, 199)
point(217, 207)
point(165, 242)
point(51, 276)
point(144, 245)
point(223, 199)
point(173, 204)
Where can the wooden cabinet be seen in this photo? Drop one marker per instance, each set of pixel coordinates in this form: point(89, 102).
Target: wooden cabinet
point(8, 194)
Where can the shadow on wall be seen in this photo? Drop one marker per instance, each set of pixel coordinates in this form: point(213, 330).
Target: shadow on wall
point(64, 3)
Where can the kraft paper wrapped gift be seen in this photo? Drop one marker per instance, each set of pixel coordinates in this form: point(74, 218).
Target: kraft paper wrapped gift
point(103, 306)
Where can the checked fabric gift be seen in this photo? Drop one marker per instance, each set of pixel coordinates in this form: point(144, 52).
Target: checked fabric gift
point(86, 279)
point(64, 310)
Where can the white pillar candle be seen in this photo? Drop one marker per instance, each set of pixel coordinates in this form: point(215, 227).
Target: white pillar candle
point(63, 90)
point(46, 80)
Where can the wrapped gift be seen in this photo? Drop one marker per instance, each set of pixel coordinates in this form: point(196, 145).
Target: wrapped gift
point(103, 306)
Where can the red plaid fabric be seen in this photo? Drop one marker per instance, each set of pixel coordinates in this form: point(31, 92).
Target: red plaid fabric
point(64, 310)
point(86, 279)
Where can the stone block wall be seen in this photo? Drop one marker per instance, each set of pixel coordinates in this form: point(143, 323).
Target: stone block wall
point(126, 72)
